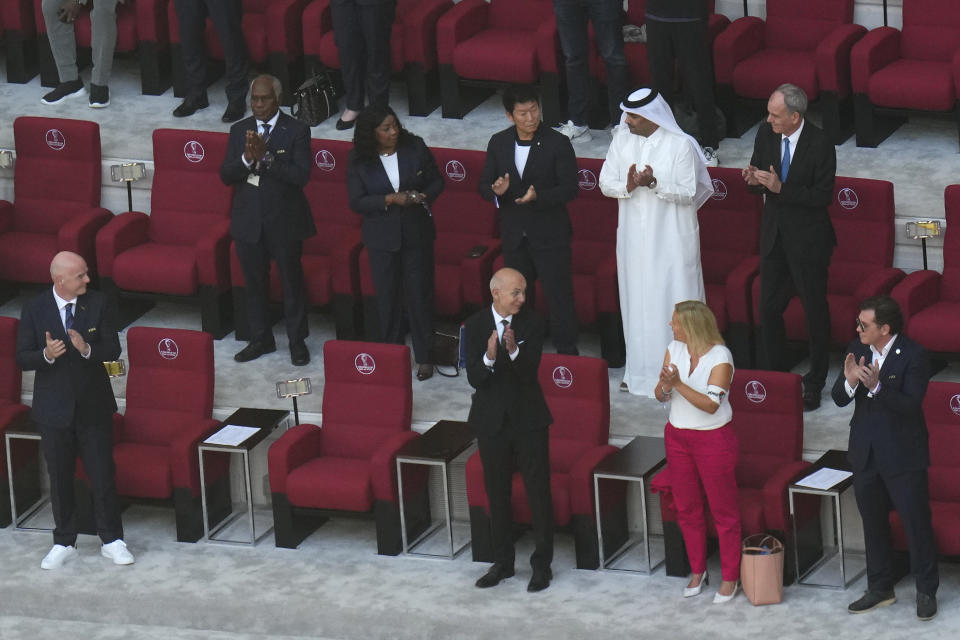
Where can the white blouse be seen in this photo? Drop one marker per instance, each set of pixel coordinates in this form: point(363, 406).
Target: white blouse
point(392, 168)
point(684, 415)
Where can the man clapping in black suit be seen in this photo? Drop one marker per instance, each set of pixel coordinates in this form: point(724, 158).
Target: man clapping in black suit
point(66, 334)
point(510, 418)
point(268, 163)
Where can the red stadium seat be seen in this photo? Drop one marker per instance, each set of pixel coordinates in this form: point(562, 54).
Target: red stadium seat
point(41, 220)
point(350, 463)
point(19, 32)
point(577, 391)
point(804, 43)
point(182, 247)
point(11, 409)
point(916, 69)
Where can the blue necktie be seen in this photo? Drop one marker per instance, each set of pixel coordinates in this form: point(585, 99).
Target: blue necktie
point(785, 161)
point(68, 316)
point(266, 130)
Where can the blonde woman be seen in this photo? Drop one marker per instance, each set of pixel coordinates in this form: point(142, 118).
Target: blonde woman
point(700, 443)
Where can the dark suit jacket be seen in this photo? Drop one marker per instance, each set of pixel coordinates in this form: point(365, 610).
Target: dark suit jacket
point(890, 424)
point(389, 228)
point(73, 386)
point(799, 212)
point(511, 390)
point(552, 170)
point(278, 204)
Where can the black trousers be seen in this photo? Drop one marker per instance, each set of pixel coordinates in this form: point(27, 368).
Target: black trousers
point(94, 444)
point(362, 34)
point(404, 288)
point(552, 267)
point(255, 261)
point(688, 43)
point(226, 16)
point(500, 454)
point(781, 279)
point(908, 493)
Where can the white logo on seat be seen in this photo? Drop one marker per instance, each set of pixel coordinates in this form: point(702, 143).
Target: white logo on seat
point(365, 363)
point(456, 171)
point(755, 391)
point(847, 198)
point(719, 189)
point(955, 404)
point(562, 377)
point(193, 151)
point(168, 349)
point(587, 180)
point(325, 160)
point(55, 139)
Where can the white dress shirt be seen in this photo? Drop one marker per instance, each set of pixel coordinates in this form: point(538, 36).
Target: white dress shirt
point(878, 357)
point(62, 308)
point(497, 322)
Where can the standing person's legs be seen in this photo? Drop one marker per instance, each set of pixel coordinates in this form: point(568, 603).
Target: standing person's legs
point(533, 458)
point(96, 449)
point(103, 26)
point(810, 279)
point(192, 22)
point(496, 456)
point(553, 267)
point(417, 268)
point(385, 269)
point(874, 504)
point(348, 35)
point(910, 493)
point(661, 57)
point(60, 452)
point(376, 25)
point(521, 260)
point(288, 259)
point(693, 40)
point(227, 17)
point(63, 43)
point(607, 19)
point(715, 455)
point(776, 289)
point(255, 263)
point(572, 27)
point(687, 496)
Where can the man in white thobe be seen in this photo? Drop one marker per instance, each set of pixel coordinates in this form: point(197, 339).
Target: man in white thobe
point(659, 175)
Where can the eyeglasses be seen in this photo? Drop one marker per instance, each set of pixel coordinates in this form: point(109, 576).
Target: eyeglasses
point(861, 325)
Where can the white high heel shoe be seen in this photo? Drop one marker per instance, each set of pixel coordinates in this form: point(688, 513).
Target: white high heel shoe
point(689, 592)
point(720, 599)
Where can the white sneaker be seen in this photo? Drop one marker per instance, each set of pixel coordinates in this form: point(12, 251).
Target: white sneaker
point(574, 132)
point(117, 551)
point(57, 556)
point(713, 158)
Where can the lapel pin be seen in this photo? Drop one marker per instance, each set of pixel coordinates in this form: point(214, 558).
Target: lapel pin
point(897, 352)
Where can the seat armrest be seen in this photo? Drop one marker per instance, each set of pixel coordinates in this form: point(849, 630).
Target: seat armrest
point(581, 478)
point(213, 256)
point(742, 38)
point(345, 259)
point(299, 444)
point(739, 290)
point(874, 51)
point(420, 32)
point(464, 20)
point(184, 461)
point(776, 513)
point(120, 234)
point(79, 233)
point(383, 467)
point(880, 281)
point(917, 291)
point(6, 216)
point(284, 19)
point(548, 45)
point(152, 23)
point(475, 274)
point(832, 58)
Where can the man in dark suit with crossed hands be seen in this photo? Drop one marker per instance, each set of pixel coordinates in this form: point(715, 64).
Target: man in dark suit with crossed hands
point(510, 418)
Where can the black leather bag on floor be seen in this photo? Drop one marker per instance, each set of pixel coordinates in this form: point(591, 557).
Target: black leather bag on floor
point(315, 100)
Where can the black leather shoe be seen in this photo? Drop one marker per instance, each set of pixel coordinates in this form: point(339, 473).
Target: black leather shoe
point(926, 607)
point(299, 355)
point(493, 577)
point(811, 400)
point(424, 372)
point(343, 125)
point(540, 580)
point(190, 106)
point(254, 350)
point(234, 111)
point(873, 599)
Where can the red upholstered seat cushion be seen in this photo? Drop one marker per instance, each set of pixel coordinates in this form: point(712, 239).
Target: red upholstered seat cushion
point(143, 470)
point(926, 85)
point(559, 492)
point(160, 268)
point(751, 511)
point(331, 483)
point(327, 48)
point(448, 290)
point(502, 55)
point(26, 257)
point(320, 283)
point(938, 326)
point(758, 75)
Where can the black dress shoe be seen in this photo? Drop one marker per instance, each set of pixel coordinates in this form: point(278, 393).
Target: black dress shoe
point(873, 599)
point(190, 106)
point(811, 400)
point(493, 577)
point(926, 607)
point(424, 372)
point(235, 110)
point(343, 125)
point(299, 355)
point(540, 580)
point(254, 350)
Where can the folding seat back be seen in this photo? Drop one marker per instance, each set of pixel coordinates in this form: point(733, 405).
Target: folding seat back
point(802, 25)
point(367, 396)
point(10, 376)
point(768, 421)
point(170, 383)
point(460, 215)
point(519, 14)
point(326, 192)
point(60, 152)
point(950, 285)
point(593, 218)
point(188, 196)
point(862, 213)
point(577, 390)
point(729, 225)
point(941, 409)
point(931, 30)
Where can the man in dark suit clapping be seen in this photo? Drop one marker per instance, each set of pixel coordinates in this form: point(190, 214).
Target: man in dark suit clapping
point(268, 164)
point(510, 418)
point(65, 335)
point(530, 174)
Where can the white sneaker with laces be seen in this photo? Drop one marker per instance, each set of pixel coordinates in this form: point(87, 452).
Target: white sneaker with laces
point(574, 132)
point(117, 551)
point(713, 158)
point(57, 556)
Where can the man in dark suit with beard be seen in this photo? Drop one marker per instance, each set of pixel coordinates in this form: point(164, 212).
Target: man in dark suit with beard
point(510, 418)
point(268, 164)
point(65, 335)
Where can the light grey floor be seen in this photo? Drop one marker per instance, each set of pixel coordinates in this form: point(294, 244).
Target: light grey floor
point(335, 586)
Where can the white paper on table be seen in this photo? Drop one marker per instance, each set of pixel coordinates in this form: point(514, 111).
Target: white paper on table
point(824, 478)
point(231, 435)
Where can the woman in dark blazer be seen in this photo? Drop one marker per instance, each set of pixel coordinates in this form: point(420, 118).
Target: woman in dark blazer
point(391, 181)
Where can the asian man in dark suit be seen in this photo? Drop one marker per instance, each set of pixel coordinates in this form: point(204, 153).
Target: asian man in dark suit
point(268, 164)
point(65, 335)
point(794, 166)
point(530, 174)
point(886, 373)
point(510, 418)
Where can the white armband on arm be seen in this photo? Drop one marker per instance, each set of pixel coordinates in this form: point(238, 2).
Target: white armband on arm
point(716, 394)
